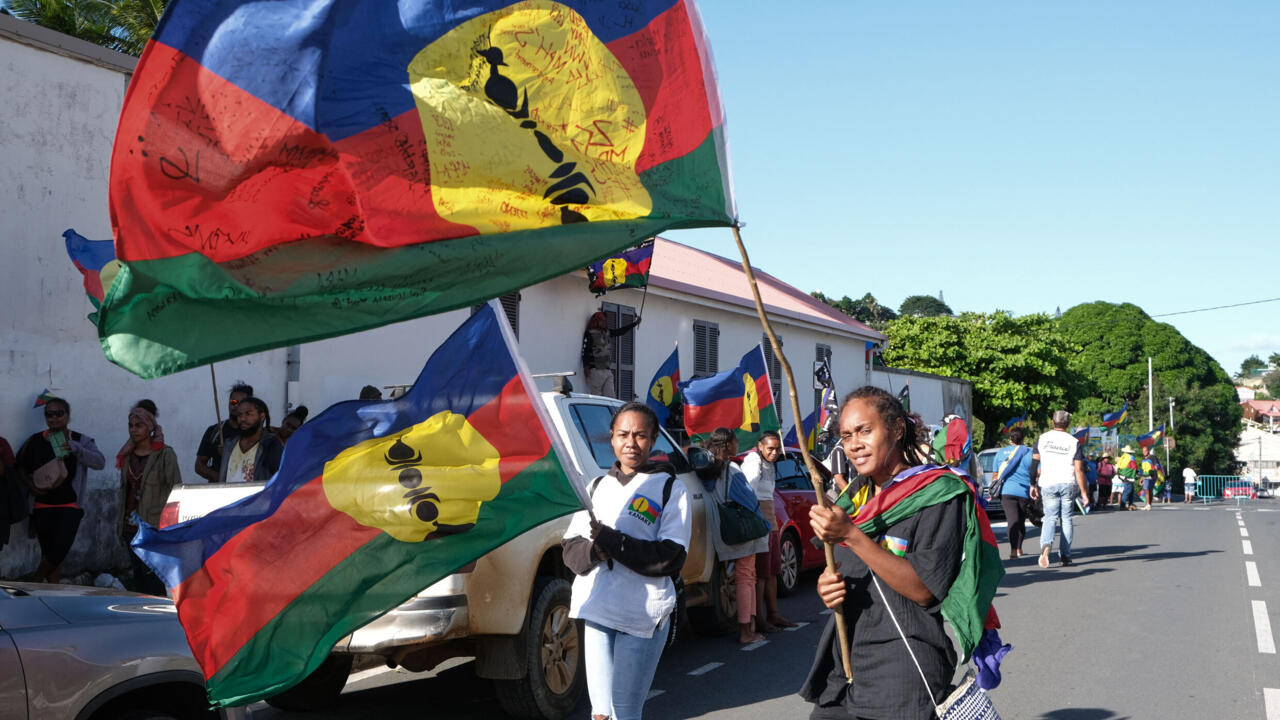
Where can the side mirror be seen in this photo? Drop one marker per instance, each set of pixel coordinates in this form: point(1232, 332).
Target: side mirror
point(700, 459)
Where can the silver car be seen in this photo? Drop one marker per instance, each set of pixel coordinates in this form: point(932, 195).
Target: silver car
point(84, 653)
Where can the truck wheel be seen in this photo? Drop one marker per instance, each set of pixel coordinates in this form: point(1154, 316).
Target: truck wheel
point(789, 578)
point(318, 690)
point(720, 615)
point(553, 643)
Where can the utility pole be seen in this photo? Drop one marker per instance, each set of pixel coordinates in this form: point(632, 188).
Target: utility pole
point(1151, 407)
point(1166, 438)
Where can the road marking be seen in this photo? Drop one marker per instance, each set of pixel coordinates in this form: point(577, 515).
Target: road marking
point(1271, 698)
point(761, 643)
point(653, 694)
point(1244, 532)
point(1248, 547)
point(705, 669)
point(797, 627)
point(1262, 627)
point(1239, 522)
point(1251, 570)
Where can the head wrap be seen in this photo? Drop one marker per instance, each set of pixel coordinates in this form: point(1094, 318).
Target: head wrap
point(153, 429)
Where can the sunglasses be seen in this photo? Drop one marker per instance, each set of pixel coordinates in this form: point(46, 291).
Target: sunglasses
point(233, 403)
point(54, 413)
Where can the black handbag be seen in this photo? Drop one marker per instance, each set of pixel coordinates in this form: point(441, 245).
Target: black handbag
point(738, 524)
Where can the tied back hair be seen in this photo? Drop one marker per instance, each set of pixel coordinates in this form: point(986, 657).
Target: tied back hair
point(893, 415)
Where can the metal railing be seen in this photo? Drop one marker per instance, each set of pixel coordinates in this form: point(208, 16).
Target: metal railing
point(1211, 487)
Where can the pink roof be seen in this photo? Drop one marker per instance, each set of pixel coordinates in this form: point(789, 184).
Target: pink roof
point(1265, 407)
point(689, 270)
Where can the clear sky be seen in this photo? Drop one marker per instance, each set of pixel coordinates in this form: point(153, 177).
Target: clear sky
point(1024, 156)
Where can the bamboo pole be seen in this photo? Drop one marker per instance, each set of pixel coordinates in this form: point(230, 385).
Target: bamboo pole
point(819, 491)
point(217, 409)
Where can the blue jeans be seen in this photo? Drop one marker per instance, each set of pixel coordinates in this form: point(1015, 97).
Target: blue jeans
point(620, 669)
point(1057, 505)
point(1126, 495)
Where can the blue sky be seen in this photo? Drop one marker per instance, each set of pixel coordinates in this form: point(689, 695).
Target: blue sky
point(1025, 156)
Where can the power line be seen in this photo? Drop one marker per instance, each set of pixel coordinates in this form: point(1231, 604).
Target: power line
point(1217, 307)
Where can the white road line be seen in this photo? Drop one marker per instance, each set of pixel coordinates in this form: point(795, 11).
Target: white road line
point(1248, 547)
point(1271, 698)
point(1244, 532)
point(1251, 571)
point(1239, 522)
point(761, 643)
point(797, 627)
point(1262, 627)
point(653, 694)
point(705, 669)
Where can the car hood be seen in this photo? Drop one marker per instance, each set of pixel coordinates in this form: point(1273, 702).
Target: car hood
point(80, 605)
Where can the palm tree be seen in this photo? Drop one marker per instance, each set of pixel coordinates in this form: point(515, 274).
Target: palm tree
point(135, 21)
point(123, 25)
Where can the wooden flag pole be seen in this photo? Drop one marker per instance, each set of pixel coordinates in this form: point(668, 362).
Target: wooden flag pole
point(217, 410)
point(809, 463)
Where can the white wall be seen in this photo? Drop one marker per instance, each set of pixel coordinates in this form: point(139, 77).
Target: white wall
point(59, 116)
point(932, 397)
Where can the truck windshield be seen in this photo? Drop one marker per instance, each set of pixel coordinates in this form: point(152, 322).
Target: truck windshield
point(593, 420)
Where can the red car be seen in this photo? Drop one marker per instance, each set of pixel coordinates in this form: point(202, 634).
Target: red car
point(1239, 489)
point(794, 492)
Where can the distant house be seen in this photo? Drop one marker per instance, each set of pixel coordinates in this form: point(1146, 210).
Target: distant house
point(1245, 394)
point(1263, 412)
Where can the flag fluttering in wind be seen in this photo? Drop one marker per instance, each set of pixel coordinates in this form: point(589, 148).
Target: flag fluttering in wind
point(1152, 437)
point(1112, 419)
point(1081, 435)
point(810, 427)
point(44, 398)
point(904, 396)
point(628, 269)
point(290, 171)
point(373, 502)
point(740, 399)
point(1012, 423)
point(96, 261)
point(664, 389)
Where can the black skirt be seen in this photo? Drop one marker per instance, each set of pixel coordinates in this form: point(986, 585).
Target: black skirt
point(56, 529)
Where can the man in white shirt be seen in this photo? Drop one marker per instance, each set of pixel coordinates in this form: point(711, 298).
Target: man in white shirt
point(1057, 476)
point(1188, 484)
point(762, 475)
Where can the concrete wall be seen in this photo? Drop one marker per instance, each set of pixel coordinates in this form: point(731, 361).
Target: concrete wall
point(932, 396)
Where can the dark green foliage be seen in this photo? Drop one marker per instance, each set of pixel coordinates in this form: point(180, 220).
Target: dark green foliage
point(1272, 382)
point(121, 25)
point(867, 310)
point(1114, 342)
point(1250, 364)
point(923, 306)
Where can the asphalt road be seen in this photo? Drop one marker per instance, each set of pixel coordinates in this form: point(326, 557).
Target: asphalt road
point(1162, 616)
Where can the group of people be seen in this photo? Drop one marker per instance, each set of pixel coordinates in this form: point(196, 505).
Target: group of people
point(628, 551)
point(47, 474)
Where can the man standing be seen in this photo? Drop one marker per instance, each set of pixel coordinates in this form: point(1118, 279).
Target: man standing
point(597, 353)
point(1188, 484)
point(1150, 470)
point(762, 476)
point(254, 454)
point(1057, 475)
point(209, 455)
point(1127, 471)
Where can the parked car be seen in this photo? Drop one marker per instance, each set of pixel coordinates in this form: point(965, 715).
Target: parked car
point(795, 490)
point(84, 653)
point(1239, 489)
point(987, 470)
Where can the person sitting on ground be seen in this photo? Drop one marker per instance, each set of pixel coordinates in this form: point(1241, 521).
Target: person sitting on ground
point(254, 454)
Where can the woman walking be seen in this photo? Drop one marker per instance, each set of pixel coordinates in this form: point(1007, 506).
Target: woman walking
point(624, 556)
point(55, 462)
point(148, 471)
point(1106, 471)
point(726, 482)
point(1013, 465)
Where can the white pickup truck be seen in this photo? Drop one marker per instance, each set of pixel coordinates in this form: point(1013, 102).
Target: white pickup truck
point(509, 610)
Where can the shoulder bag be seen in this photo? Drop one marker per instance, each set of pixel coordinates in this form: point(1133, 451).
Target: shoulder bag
point(737, 523)
point(967, 702)
point(49, 475)
point(997, 487)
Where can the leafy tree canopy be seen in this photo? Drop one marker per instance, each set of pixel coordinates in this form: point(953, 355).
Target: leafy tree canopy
point(1115, 342)
point(1016, 364)
point(121, 25)
point(1250, 364)
point(1272, 382)
point(1274, 360)
point(866, 310)
point(923, 306)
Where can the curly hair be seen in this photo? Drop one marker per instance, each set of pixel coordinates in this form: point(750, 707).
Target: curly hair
point(893, 415)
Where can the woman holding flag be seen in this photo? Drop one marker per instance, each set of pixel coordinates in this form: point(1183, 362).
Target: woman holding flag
point(624, 553)
point(912, 558)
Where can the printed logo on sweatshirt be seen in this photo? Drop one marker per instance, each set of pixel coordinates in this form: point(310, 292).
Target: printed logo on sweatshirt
point(644, 509)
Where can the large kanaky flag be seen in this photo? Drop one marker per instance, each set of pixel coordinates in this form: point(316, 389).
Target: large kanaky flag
point(1112, 419)
point(374, 501)
point(740, 399)
point(664, 389)
point(292, 170)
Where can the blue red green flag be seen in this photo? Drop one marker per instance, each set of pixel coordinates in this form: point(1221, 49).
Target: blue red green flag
point(628, 269)
point(298, 169)
point(43, 398)
point(96, 261)
point(1113, 419)
point(664, 389)
point(1152, 437)
point(1082, 435)
point(372, 503)
point(1012, 423)
point(740, 399)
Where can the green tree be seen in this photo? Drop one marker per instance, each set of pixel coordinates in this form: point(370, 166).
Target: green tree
point(121, 25)
point(1250, 364)
point(923, 306)
point(867, 310)
point(1272, 382)
point(1274, 360)
point(1115, 342)
point(1016, 364)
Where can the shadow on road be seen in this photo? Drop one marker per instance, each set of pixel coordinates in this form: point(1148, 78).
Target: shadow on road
point(1050, 575)
point(1083, 714)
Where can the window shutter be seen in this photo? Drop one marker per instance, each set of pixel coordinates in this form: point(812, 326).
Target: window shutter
point(625, 372)
point(772, 362)
point(511, 304)
point(713, 348)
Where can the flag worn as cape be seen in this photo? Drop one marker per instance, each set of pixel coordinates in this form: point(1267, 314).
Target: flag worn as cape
point(953, 443)
point(967, 605)
point(628, 269)
point(374, 501)
point(96, 261)
point(740, 399)
point(1152, 437)
point(1012, 423)
point(663, 392)
point(1113, 419)
point(301, 169)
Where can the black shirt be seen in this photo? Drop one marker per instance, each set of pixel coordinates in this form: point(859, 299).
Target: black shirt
point(886, 683)
point(37, 451)
point(209, 445)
